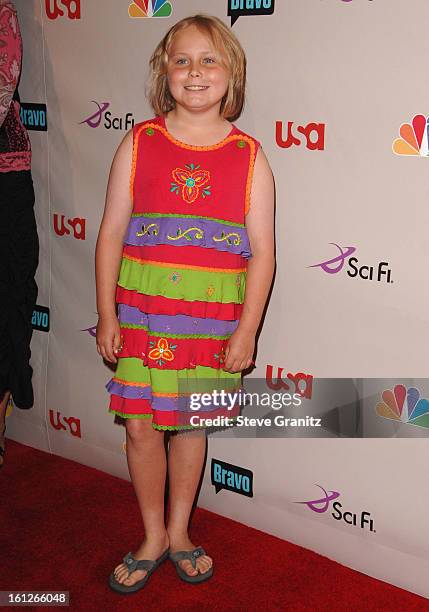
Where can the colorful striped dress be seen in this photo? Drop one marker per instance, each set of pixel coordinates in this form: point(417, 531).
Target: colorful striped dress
point(182, 279)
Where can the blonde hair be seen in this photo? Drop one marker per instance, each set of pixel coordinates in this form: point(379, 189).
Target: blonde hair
point(225, 42)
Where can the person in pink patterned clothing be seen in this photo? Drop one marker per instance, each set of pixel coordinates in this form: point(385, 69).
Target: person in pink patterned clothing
point(19, 244)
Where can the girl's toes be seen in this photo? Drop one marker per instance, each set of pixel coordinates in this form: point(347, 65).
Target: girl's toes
point(118, 569)
point(120, 573)
point(120, 577)
point(135, 577)
point(205, 564)
point(129, 580)
point(187, 567)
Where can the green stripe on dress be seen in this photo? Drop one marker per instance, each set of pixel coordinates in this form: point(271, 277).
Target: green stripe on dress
point(182, 283)
point(154, 214)
point(131, 369)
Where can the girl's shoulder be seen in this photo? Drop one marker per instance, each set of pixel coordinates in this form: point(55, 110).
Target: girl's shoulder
point(247, 136)
point(141, 124)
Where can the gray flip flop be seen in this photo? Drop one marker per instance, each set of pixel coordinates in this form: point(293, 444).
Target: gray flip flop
point(192, 556)
point(132, 565)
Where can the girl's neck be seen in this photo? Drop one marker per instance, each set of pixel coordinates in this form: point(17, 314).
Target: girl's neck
point(204, 132)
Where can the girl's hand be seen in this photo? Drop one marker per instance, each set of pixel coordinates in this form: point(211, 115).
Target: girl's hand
point(108, 337)
point(239, 351)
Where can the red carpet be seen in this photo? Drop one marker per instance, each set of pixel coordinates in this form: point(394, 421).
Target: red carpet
point(67, 526)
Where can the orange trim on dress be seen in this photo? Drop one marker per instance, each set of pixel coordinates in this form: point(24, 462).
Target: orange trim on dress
point(183, 145)
point(130, 383)
point(179, 265)
point(134, 162)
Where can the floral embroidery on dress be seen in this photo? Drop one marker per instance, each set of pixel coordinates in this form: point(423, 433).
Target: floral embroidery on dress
point(175, 277)
point(146, 230)
point(220, 356)
point(162, 351)
point(210, 290)
point(230, 237)
point(192, 180)
point(199, 234)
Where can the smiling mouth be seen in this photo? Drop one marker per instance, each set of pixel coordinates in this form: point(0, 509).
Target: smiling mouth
point(196, 87)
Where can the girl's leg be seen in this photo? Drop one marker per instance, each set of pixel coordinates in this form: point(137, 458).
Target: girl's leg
point(3, 406)
point(147, 465)
point(185, 461)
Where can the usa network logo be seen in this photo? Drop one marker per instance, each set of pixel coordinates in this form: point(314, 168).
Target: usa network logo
point(404, 405)
point(413, 138)
point(54, 10)
point(379, 272)
point(322, 504)
point(303, 383)
point(314, 134)
point(111, 121)
point(150, 8)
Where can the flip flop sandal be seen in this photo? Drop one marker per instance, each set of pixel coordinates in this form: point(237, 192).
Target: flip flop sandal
point(132, 565)
point(192, 556)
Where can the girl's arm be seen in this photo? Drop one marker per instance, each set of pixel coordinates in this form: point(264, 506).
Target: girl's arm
point(260, 229)
point(108, 251)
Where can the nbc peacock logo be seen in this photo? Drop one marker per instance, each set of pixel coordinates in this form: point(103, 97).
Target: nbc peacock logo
point(150, 8)
point(404, 405)
point(413, 138)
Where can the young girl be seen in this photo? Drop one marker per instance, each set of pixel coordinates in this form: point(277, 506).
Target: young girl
point(179, 233)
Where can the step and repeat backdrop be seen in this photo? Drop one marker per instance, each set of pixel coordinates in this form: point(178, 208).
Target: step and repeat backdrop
point(337, 94)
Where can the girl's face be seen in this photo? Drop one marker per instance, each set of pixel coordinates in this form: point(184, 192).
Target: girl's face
point(196, 78)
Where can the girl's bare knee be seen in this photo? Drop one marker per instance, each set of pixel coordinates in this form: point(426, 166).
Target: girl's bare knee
point(141, 429)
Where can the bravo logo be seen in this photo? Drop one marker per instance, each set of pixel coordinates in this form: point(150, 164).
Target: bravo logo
point(237, 8)
point(322, 505)
point(232, 478)
point(378, 272)
point(40, 318)
point(124, 122)
point(33, 116)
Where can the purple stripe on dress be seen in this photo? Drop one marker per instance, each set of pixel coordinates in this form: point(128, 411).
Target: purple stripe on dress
point(163, 404)
point(183, 231)
point(129, 391)
point(176, 324)
point(182, 405)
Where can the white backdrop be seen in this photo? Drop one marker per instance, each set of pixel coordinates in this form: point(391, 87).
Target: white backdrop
point(357, 70)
